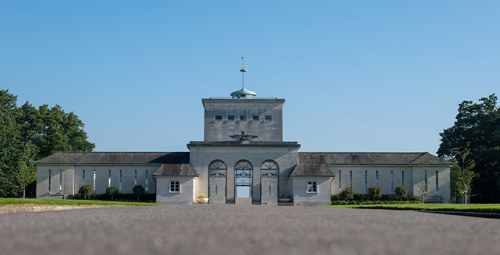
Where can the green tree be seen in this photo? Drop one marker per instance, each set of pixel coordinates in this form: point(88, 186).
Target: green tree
point(9, 145)
point(465, 175)
point(28, 134)
point(401, 192)
point(347, 194)
point(111, 190)
point(26, 171)
point(374, 192)
point(85, 191)
point(477, 127)
point(138, 191)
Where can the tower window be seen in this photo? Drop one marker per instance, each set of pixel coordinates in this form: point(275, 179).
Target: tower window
point(218, 117)
point(268, 117)
point(243, 117)
point(255, 117)
point(230, 117)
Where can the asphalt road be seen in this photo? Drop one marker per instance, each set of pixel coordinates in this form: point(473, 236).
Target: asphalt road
point(231, 229)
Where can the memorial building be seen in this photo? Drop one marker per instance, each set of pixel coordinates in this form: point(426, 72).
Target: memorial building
point(244, 160)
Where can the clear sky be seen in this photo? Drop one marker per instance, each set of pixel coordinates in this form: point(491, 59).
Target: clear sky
point(356, 75)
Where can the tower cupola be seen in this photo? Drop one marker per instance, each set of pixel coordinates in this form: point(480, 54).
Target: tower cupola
point(243, 93)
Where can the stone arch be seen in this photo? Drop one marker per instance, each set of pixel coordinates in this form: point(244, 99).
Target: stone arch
point(269, 173)
point(217, 173)
point(243, 181)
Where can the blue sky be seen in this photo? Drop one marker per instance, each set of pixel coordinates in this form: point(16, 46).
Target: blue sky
point(356, 75)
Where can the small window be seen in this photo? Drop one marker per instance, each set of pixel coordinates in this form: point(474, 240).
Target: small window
point(340, 180)
point(255, 117)
point(243, 117)
point(437, 181)
point(230, 117)
point(218, 117)
point(268, 117)
point(312, 187)
point(61, 179)
point(175, 186)
point(135, 177)
point(50, 177)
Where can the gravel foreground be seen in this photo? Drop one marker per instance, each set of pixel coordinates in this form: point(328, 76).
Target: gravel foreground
point(245, 229)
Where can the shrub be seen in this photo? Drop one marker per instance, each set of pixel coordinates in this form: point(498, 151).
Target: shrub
point(371, 202)
point(111, 190)
point(374, 193)
point(347, 194)
point(401, 192)
point(138, 191)
point(85, 191)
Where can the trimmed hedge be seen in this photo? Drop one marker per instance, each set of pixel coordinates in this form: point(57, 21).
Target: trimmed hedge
point(119, 196)
point(385, 197)
point(371, 202)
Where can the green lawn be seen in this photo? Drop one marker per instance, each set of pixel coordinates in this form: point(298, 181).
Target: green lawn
point(37, 201)
point(490, 208)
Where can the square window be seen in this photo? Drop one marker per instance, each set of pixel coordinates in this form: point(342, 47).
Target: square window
point(230, 117)
point(218, 117)
point(175, 186)
point(243, 117)
point(255, 117)
point(312, 187)
point(269, 117)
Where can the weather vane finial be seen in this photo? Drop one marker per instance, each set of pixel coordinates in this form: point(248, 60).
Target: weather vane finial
point(243, 69)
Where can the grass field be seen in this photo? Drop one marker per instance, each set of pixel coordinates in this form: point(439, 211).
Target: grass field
point(62, 202)
point(490, 208)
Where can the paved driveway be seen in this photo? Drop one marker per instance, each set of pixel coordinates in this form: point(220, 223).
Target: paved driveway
point(231, 229)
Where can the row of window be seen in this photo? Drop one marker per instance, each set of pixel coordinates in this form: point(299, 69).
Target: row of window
point(426, 182)
point(244, 117)
point(243, 165)
point(146, 184)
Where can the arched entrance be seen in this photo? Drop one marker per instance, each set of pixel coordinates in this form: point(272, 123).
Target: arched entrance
point(217, 182)
point(269, 182)
point(243, 182)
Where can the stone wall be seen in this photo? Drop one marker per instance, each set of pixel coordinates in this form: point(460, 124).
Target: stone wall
point(73, 177)
point(390, 177)
point(321, 197)
point(185, 196)
point(201, 157)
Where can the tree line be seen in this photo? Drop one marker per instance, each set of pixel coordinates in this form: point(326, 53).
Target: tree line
point(27, 134)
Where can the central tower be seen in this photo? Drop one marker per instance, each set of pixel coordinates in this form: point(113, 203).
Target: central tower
point(260, 117)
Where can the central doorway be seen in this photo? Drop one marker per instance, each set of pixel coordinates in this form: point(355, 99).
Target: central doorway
point(243, 181)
